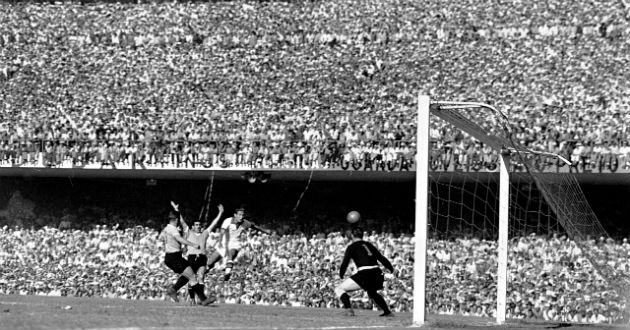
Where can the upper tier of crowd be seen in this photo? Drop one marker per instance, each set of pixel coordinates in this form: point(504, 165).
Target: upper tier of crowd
point(549, 277)
point(311, 71)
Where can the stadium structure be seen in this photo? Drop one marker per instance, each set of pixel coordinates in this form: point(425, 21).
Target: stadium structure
point(502, 205)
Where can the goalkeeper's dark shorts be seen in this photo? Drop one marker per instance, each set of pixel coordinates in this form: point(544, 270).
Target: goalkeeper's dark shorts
point(176, 262)
point(197, 261)
point(369, 279)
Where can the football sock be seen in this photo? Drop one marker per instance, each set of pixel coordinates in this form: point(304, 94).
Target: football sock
point(191, 293)
point(199, 290)
point(345, 300)
point(380, 301)
point(181, 281)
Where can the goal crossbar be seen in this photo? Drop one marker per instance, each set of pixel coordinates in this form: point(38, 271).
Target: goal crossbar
point(447, 111)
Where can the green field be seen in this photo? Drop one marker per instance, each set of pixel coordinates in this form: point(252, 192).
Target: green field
point(37, 312)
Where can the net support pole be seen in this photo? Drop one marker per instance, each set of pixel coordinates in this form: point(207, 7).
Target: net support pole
point(504, 208)
point(421, 211)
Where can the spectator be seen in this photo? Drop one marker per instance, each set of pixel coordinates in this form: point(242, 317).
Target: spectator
point(115, 263)
point(317, 89)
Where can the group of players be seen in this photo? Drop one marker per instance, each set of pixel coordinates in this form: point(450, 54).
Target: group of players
point(192, 269)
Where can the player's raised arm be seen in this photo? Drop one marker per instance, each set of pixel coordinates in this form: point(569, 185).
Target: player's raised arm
point(216, 219)
point(182, 222)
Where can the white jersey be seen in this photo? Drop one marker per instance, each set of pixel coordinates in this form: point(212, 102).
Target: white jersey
point(235, 232)
point(168, 235)
point(199, 239)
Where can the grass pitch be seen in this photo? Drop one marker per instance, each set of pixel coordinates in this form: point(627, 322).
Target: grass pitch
point(37, 312)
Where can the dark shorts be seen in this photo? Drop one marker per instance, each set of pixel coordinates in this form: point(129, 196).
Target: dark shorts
point(197, 261)
point(369, 279)
point(176, 262)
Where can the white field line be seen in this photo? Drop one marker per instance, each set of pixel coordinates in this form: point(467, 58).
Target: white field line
point(175, 306)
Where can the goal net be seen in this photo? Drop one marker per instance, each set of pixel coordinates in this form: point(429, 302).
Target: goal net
point(468, 143)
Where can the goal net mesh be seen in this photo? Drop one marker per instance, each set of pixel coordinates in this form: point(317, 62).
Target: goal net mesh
point(464, 188)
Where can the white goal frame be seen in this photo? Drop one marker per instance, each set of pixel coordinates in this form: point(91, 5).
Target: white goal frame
point(422, 217)
point(422, 204)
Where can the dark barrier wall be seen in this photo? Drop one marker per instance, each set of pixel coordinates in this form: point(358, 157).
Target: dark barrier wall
point(324, 205)
point(385, 206)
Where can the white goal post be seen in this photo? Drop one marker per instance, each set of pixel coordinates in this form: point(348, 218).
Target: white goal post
point(425, 108)
point(421, 212)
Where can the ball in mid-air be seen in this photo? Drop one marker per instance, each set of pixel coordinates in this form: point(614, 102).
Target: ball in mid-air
point(353, 217)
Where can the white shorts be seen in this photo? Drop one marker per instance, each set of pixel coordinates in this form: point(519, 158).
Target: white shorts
point(233, 246)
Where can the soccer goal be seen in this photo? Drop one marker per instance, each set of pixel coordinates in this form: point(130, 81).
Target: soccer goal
point(491, 186)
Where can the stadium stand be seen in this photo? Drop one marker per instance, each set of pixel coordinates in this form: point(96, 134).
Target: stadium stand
point(272, 76)
point(105, 245)
point(551, 279)
point(240, 83)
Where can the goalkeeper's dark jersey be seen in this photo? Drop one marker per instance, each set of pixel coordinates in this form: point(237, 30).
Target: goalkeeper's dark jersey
point(364, 254)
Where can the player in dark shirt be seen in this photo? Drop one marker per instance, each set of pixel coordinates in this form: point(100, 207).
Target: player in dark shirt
point(368, 277)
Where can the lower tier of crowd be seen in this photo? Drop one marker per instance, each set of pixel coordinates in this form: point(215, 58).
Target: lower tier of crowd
point(549, 278)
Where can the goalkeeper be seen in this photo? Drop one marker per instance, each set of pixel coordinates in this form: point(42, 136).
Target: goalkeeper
point(369, 275)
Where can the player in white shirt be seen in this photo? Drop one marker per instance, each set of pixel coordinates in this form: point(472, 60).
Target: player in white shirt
point(174, 260)
point(197, 258)
point(231, 241)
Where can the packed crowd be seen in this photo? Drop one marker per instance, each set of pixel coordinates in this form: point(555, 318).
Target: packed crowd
point(549, 277)
point(277, 74)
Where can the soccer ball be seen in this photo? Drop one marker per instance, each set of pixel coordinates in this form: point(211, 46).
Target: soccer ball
point(353, 217)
